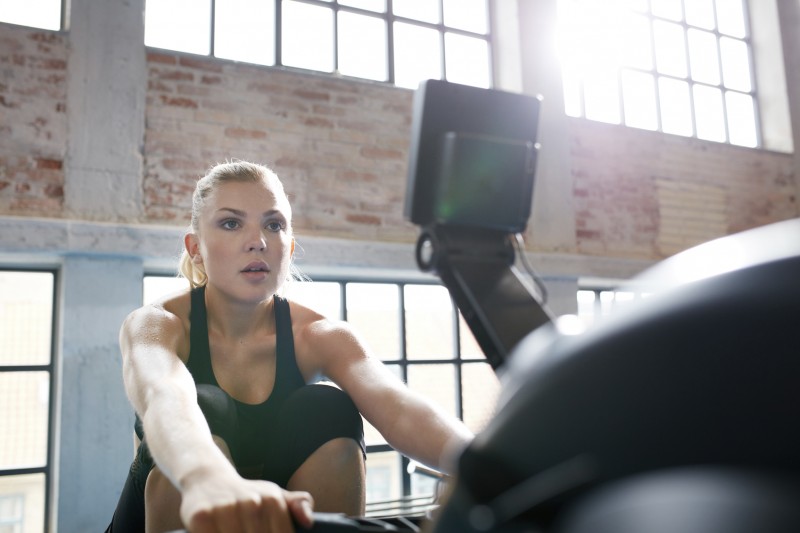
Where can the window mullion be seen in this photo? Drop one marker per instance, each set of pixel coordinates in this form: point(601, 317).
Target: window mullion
point(390, 41)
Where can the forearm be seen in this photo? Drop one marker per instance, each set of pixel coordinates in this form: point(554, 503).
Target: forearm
point(427, 434)
point(178, 436)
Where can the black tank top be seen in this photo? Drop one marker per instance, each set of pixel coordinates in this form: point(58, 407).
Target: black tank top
point(255, 420)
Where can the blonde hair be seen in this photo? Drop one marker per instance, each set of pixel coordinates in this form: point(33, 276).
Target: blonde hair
point(230, 171)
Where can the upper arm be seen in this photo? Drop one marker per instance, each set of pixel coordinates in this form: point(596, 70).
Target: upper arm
point(343, 357)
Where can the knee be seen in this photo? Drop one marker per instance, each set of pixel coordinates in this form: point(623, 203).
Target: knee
point(220, 412)
point(326, 408)
point(162, 503)
point(341, 454)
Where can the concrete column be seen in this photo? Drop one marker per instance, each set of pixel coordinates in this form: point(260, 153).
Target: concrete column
point(106, 89)
point(552, 223)
point(94, 416)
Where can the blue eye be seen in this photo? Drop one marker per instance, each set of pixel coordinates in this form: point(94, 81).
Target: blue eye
point(274, 226)
point(229, 224)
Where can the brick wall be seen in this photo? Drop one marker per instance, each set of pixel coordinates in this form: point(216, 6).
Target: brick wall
point(32, 121)
point(341, 147)
point(645, 194)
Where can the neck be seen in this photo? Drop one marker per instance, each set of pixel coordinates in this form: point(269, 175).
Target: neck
point(235, 318)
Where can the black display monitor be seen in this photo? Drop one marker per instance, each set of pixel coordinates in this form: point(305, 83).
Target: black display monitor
point(472, 157)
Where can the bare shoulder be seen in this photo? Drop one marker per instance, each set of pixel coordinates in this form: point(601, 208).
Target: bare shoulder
point(309, 325)
point(321, 342)
point(163, 322)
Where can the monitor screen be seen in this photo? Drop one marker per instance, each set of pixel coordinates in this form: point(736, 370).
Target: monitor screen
point(472, 158)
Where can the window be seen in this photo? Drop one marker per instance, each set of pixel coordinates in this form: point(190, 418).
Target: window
point(395, 41)
point(415, 329)
point(45, 14)
point(26, 398)
point(595, 303)
point(678, 66)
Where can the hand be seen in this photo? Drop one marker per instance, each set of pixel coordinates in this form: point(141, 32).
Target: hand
point(237, 505)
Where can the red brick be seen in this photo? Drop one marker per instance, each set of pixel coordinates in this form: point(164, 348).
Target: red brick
point(242, 133)
point(209, 64)
point(312, 95)
point(372, 152)
point(54, 191)
point(369, 220)
point(158, 57)
point(55, 164)
point(179, 102)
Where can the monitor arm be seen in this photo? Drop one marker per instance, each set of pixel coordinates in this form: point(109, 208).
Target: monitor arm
point(477, 267)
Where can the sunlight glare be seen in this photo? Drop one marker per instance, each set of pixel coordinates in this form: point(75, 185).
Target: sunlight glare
point(45, 14)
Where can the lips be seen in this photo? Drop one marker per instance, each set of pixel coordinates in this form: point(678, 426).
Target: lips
point(256, 266)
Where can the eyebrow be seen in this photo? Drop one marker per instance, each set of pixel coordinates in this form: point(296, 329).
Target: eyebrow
point(240, 213)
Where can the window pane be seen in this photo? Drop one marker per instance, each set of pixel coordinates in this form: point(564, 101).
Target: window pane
point(429, 322)
point(636, 45)
point(417, 55)
point(156, 287)
point(741, 119)
point(23, 494)
point(422, 485)
point(436, 382)
point(481, 389)
point(244, 30)
point(384, 476)
point(735, 64)
point(676, 115)
point(700, 13)
point(669, 9)
point(324, 297)
point(45, 14)
point(636, 5)
point(379, 6)
point(374, 310)
point(709, 113)
point(182, 25)
point(424, 10)
point(730, 17)
point(26, 318)
point(362, 46)
point(469, 15)
point(601, 97)
point(468, 346)
point(639, 99)
point(586, 306)
point(467, 60)
point(670, 48)
point(307, 36)
point(24, 408)
point(704, 57)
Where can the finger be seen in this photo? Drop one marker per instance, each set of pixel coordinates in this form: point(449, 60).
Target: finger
point(201, 522)
point(227, 520)
point(253, 516)
point(301, 505)
point(278, 515)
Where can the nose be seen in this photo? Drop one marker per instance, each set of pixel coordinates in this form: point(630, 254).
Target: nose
point(257, 243)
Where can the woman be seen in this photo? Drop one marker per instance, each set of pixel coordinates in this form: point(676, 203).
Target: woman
point(233, 437)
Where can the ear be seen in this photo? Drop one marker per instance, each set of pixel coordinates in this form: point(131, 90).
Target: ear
point(192, 244)
point(291, 253)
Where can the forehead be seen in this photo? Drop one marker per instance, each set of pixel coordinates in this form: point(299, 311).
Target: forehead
point(248, 195)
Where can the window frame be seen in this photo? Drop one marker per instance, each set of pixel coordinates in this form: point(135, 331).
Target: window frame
point(51, 368)
point(390, 19)
point(691, 81)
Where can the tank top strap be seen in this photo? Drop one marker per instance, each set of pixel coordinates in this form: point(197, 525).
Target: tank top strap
point(199, 363)
point(288, 376)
